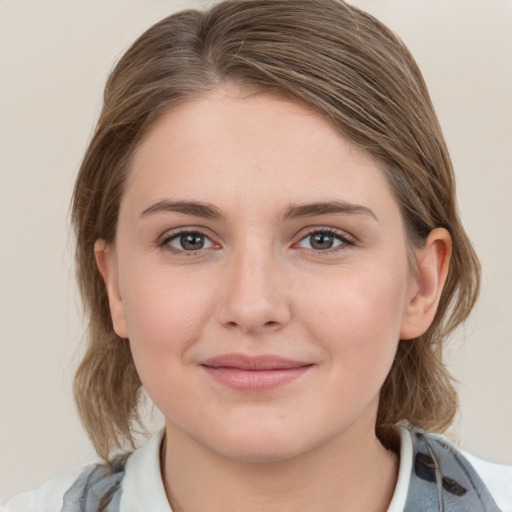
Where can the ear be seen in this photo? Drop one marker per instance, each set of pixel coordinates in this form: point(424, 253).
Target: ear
point(427, 282)
point(106, 260)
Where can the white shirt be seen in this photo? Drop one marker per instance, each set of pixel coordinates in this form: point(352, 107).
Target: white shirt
point(143, 489)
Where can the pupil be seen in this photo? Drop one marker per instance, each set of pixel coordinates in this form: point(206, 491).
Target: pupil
point(321, 241)
point(192, 242)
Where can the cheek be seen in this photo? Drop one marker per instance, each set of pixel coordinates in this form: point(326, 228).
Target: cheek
point(165, 314)
point(356, 316)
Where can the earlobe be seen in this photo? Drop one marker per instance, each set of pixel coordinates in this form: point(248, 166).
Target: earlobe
point(427, 284)
point(107, 265)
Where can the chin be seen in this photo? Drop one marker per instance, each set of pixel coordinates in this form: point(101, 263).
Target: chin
point(260, 452)
point(263, 445)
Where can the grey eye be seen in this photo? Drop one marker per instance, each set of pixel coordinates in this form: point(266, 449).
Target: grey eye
point(321, 241)
point(190, 241)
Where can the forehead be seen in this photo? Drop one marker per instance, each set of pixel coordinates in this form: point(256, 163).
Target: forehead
point(237, 145)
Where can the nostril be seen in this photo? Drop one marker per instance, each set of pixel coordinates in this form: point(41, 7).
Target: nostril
point(270, 325)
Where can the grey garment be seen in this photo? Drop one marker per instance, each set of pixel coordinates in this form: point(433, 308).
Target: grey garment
point(97, 489)
point(442, 480)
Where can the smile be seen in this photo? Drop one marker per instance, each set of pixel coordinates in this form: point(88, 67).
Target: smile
point(254, 374)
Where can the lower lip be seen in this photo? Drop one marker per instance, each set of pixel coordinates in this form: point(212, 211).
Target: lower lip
point(255, 380)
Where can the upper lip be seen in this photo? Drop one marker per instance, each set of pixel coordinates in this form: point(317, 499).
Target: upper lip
point(254, 363)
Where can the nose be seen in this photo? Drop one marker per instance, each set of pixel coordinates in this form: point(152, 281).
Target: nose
point(254, 296)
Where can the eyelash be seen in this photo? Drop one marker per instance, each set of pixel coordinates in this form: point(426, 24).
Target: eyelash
point(346, 241)
point(164, 242)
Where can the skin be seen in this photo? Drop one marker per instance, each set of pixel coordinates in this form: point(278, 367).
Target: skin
point(258, 286)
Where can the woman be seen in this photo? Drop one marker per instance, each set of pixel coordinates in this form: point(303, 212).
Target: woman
point(268, 243)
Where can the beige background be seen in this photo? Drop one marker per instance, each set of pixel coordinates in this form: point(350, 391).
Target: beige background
point(54, 58)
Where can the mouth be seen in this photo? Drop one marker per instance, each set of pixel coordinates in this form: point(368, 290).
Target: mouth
point(254, 374)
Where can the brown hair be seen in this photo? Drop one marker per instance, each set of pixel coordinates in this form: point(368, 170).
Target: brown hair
point(348, 67)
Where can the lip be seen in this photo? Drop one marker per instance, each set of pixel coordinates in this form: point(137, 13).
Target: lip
point(254, 373)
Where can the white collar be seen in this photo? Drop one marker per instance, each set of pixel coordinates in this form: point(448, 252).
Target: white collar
point(143, 488)
point(404, 472)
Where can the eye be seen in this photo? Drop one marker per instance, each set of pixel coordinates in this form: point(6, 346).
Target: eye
point(188, 241)
point(323, 240)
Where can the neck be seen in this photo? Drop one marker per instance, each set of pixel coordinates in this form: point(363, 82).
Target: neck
point(352, 471)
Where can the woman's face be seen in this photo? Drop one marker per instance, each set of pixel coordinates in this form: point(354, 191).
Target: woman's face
point(261, 274)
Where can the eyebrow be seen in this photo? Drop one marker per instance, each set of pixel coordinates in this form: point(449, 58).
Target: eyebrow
point(194, 208)
point(326, 208)
point(294, 211)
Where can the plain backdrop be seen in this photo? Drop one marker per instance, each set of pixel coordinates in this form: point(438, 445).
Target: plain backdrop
point(54, 59)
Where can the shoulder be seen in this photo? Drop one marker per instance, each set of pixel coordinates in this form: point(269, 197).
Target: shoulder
point(497, 478)
point(47, 497)
point(91, 484)
point(130, 483)
point(472, 472)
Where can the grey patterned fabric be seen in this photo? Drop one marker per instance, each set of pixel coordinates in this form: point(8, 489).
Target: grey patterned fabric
point(442, 480)
point(97, 489)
